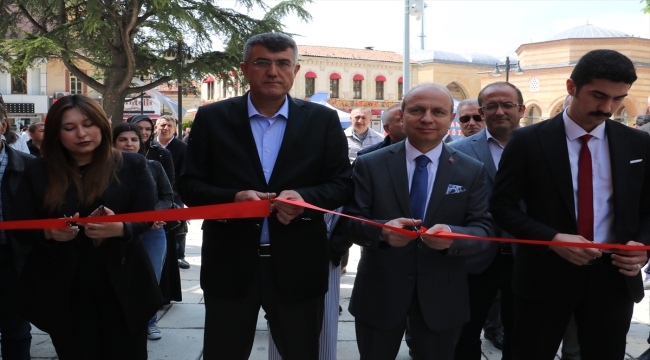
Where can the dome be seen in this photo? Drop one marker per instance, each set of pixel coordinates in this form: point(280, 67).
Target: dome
point(436, 55)
point(483, 59)
point(587, 32)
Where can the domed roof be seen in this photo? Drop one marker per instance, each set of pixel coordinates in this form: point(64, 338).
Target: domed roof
point(586, 32)
point(480, 58)
point(436, 55)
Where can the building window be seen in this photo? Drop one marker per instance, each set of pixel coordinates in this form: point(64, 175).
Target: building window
point(75, 85)
point(400, 91)
point(357, 89)
point(19, 84)
point(310, 84)
point(534, 85)
point(379, 91)
point(334, 88)
point(211, 90)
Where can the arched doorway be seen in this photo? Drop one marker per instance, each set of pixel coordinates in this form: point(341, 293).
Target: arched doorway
point(456, 91)
point(533, 115)
point(557, 109)
point(621, 116)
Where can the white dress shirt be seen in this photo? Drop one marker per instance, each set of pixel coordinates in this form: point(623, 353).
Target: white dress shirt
point(602, 176)
point(496, 149)
point(432, 167)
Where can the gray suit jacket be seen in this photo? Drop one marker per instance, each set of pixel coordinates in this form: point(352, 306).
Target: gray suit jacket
point(476, 147)
point(387, 276)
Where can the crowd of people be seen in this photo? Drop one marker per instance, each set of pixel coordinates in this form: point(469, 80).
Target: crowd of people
point(95, 286)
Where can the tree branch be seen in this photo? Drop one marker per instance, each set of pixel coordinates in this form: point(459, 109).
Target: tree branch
point(83, 76)
point(86, 59)
point(29, 17)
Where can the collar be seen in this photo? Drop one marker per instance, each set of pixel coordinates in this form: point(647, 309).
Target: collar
point(252, 111)
point(433, 154)
point(169, 142)
point(489, 136)
point(574, 131)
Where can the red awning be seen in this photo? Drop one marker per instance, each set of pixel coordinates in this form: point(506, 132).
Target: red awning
point(335, 76)
point(380, 78)
point(209, 79)
point(400, 80)
point(358, 77)
point(310, 75)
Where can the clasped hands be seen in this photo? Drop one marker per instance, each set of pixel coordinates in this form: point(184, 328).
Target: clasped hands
point(285, 212)
point(95, 231)
point(629, 261)
point(398, 240)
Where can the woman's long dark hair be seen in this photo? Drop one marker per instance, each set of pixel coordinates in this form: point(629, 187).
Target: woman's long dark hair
point(62, 170)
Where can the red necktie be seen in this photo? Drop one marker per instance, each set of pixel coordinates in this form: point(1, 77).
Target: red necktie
point(585, 191)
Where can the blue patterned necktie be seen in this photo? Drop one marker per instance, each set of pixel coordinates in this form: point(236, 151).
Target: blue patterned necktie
point(419, 185)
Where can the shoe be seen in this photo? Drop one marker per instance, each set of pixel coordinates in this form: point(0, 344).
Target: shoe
point(496, 338)
point(646, 284)
point(153, 333)
point(183, 264)
point(340, 310)
point(343, 270)
point(644, 356)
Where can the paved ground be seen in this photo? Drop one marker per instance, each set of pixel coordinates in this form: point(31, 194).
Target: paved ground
point(182, 323)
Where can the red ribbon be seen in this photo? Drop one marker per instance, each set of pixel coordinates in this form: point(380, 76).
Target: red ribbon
point(261, 208)
point(451, 235)
point(222, 211)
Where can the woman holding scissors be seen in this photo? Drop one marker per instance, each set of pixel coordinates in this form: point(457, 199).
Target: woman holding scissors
point(90, 286)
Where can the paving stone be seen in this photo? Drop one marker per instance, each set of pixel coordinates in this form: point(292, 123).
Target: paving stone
point(177, 344)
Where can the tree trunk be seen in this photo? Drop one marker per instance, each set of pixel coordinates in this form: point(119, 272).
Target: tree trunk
point(116, 88)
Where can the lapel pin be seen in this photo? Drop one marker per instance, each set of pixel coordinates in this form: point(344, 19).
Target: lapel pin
point(452, 161)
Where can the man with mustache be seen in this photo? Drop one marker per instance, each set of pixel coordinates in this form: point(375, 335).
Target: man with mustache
point(584, 179)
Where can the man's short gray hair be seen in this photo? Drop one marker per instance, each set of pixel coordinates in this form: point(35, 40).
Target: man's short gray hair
point(384, 115)
point(472, 101)
point(32, 127)
point(429, 84)
point(275, 42)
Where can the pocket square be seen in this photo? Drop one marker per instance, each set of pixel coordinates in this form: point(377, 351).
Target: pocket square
point(635, 161)
point(455, 189)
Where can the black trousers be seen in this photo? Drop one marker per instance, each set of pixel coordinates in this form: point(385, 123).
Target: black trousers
point(230, 323)
point(602, 308)
point(483, 288)
point(99, 330)
point(14, 329)
point(380, 344)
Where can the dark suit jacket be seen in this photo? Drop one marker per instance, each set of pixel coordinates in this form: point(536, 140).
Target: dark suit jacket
point(222, 160)
point(10, 197)
point(178, 149)
point(387, 276)
point(476, 147)
point(535, 167)
point(51, 267)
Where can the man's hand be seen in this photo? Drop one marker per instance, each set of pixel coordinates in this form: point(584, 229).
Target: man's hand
point(437, 243)
point(252, 195)
point(288, 212)
point(396, 239)
point(575, 255)
point(629, 260)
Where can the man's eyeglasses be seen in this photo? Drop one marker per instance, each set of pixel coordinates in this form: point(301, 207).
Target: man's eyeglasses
point(467, 118)
point(494, 106)
point(264, 64)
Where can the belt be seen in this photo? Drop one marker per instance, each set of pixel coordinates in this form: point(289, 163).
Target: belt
point(264, 250)
point(605, 259)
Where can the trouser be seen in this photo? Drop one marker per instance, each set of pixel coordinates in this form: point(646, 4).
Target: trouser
point(155, 243)
point(230, 323)
point(14, 329)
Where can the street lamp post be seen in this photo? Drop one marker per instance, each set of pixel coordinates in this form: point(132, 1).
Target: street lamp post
point(183, 54)
point(518, 70)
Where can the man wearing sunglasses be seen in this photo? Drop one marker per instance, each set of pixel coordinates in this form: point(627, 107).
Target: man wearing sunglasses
point(470, 120)
point(490, 271)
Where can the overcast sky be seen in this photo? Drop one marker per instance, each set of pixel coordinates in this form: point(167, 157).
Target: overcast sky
point(491, 27)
